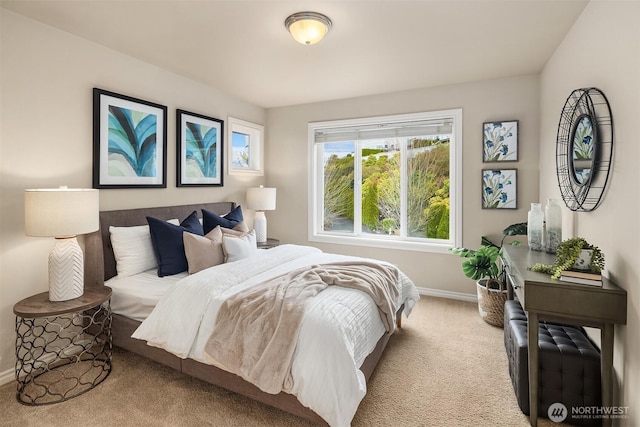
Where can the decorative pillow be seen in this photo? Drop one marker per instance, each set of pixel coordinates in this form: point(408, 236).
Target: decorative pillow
point(239, 247)
point(203, 251)
point(168, 244)
point(133, 250)
point(230, 220)
point(238, 230)
point(241, 227)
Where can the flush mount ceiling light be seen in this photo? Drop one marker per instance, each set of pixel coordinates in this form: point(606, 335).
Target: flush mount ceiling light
point(308, 27)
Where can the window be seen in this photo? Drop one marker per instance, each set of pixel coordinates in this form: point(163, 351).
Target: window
point(246, 151)
point(390, 181)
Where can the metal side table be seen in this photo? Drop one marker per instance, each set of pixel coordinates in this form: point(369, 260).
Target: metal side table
point(63, 348)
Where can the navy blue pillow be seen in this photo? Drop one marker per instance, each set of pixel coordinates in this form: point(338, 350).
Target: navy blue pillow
point(168, 245)
point(230, 220)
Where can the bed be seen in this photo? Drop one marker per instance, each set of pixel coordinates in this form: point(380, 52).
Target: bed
point(100, 267)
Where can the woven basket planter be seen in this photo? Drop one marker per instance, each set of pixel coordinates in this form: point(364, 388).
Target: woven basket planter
point(491, 301)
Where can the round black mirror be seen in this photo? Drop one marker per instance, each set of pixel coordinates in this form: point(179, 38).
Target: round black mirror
point(584, 149)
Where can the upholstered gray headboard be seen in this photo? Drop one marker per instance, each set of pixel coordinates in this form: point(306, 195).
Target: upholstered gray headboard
point(99, 261)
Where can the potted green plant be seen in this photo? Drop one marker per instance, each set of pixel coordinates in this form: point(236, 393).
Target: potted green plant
point(482, 263)
point(519, 229)
point(482, 266)
point(569, 255)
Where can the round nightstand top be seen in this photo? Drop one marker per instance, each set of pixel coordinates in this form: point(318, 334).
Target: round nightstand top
point(270, 243)
point(40, 306)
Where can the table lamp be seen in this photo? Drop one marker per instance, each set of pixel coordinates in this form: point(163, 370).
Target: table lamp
point(62, 213)
point(261, 199)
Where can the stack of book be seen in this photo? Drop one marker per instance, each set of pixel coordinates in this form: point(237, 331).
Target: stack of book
point(583, 277)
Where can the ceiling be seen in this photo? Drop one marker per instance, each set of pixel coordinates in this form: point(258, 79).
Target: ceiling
point(375, 46)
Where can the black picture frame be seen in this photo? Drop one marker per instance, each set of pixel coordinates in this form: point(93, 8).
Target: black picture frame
point(500, 141)
point(200, 150)
point(500, 188)
point(129, 142)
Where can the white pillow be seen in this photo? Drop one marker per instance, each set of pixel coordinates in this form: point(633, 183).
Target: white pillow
point(133, 249)
point(238, 247)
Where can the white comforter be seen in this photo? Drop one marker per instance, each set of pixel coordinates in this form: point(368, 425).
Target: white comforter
point(340, 327)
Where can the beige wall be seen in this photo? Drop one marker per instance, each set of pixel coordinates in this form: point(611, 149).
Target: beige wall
point(504, 99)
point(603, 50)
point(47, 78)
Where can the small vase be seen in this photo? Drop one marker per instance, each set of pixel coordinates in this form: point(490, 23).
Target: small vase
point(553, 233)
point(535, 221)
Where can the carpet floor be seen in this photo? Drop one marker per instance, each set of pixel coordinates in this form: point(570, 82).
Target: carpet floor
point(445, 367)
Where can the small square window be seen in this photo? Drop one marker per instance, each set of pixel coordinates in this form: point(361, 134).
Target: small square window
point(246, 147)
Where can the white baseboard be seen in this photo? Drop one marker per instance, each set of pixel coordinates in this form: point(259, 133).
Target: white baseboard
point(448, 294)
point(7, 376)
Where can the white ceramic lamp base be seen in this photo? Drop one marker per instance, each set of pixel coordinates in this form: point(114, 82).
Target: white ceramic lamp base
point(66, 270)
point(260, 226)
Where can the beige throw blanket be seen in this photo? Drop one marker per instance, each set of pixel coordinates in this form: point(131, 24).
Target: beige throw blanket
point(257, 329)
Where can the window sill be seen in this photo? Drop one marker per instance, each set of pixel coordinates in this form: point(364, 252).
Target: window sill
point(382, 242)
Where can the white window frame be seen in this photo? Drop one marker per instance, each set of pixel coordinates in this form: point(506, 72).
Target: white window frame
point(255, 132)
point(315, 202)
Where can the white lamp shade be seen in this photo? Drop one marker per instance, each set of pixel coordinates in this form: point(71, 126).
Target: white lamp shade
point(261, 199)
point(60, 212)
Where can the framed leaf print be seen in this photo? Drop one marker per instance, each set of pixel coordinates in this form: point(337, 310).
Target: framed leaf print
point(499, 189)
point(500, 141)
point(200, 143)
point(129, 142)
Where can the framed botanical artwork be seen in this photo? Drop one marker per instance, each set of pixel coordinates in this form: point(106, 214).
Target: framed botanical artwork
point(200, 149)
point(500, 141)
point(129, 142)
point(499, 188)
point(246, 150)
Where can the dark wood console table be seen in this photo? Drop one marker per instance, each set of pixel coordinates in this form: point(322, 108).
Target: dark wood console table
point(544, 298)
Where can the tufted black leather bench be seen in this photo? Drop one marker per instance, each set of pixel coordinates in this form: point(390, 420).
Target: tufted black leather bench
point(569, 365)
